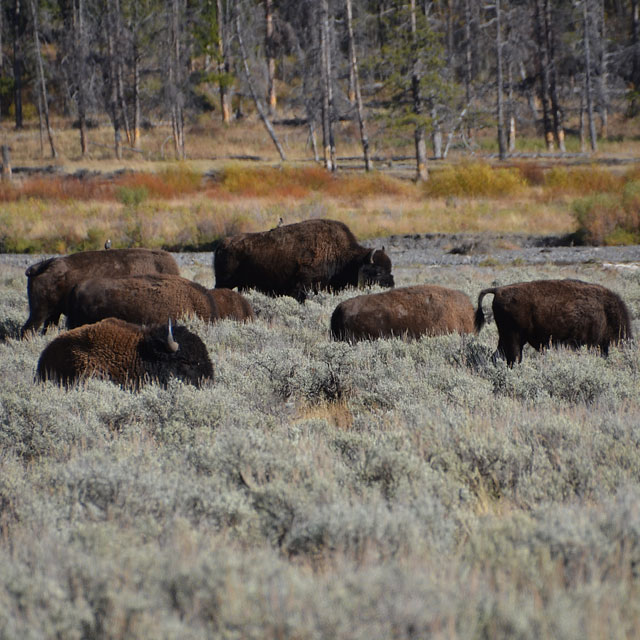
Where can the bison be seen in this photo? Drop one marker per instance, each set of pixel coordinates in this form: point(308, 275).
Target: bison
point(126, 354)
point(51, 280)
point(232, 304)
point(296, 258)
point(407, 311)
point(544, 312)
point(144, 299)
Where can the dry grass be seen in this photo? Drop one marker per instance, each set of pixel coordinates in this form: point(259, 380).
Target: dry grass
point(149, 199)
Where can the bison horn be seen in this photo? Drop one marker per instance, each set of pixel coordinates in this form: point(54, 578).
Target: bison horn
point(173, 345)
point(371, 256)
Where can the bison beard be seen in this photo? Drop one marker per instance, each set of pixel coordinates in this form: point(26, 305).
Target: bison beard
point(554, 312)
point(50, 281)
point(296, 258)
point(126, 354)
point(407, 311)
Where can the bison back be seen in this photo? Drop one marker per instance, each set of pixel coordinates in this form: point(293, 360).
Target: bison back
point(50, 281)
point(143, 299)
point(232, 304)
point(291, 259)
point(411, 311)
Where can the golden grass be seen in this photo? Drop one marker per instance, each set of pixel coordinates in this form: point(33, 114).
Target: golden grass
point(174, 204)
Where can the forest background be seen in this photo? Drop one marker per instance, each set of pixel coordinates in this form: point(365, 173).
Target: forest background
point(466, 115)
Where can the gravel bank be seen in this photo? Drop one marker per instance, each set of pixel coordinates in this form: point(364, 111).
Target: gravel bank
point(449, 249)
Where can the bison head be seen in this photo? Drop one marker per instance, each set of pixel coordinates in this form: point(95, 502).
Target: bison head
point(376, 269)
point(180, 354)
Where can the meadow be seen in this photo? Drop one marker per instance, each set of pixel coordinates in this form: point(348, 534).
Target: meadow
point(315, 489)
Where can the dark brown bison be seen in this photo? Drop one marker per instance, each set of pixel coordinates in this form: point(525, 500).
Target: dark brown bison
point(143, 299)
point(50, 281)
point(412, 311)
point(553, 312)
point(296, 258)
point(126, 354)
point(232, 304)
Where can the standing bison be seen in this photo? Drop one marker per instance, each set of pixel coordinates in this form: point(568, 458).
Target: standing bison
point(144, 299)
point(543, 312)
point(50, 281)
point(407, 311)
point(126, 354)
point(296, 258)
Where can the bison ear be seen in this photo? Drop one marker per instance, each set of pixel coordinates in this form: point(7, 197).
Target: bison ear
point(171, 343)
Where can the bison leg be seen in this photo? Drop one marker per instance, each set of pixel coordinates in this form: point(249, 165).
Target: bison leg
point(510, 346)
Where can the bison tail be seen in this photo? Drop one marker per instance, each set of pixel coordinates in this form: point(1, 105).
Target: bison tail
point(479, 318)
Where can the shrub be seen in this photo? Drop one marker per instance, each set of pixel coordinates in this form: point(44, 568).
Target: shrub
point(474, 180)
point(610, 218)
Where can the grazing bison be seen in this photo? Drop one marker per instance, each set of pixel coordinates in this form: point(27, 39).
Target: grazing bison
point(232, 304)
point(50, 281)
point(544, 312)
point(144, 299)
point(295, 258)
point(126, 354)
point(411, 311)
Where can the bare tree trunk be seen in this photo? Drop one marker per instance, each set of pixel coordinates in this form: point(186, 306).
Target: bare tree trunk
point(79, 50)
point(583, 133)
point(468, 67)
point(175, 80)
point(254, 95)
point(328, 142)
point(511, 133)
point(556, 111)
point(42, 87)
point(1, 52)
point(223, 65)
point(356, 86)
point(6, 162)
point(271, 61)
point(502, 138)
point(113, 91)
point(635, 57)
point(588, 88)
point(602, 78)
point(136, 96)
point(18, 63)
point(422, 172)
point(543, 69)
point(312, 138)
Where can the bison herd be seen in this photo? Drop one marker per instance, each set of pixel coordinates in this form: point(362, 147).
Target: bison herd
point(120, 304)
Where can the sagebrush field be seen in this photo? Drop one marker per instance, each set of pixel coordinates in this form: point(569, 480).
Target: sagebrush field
point(387, 489)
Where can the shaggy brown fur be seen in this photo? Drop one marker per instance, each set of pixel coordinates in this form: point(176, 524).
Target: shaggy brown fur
point(232, 304)
point(50, 281)
point(553, 312)
point(144, 299)
point(411, 311)
point(296, 258)
point(125, 354)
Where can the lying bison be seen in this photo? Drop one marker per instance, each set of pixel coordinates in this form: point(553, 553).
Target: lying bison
point(126, 354)
point(544, 312)
point(407, 311)
point(233, 305)
point(144, 299)
point(50, 281)
point(296, 258)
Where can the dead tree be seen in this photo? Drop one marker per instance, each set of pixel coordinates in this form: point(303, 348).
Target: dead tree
point(254, 95)
point(355, 82)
